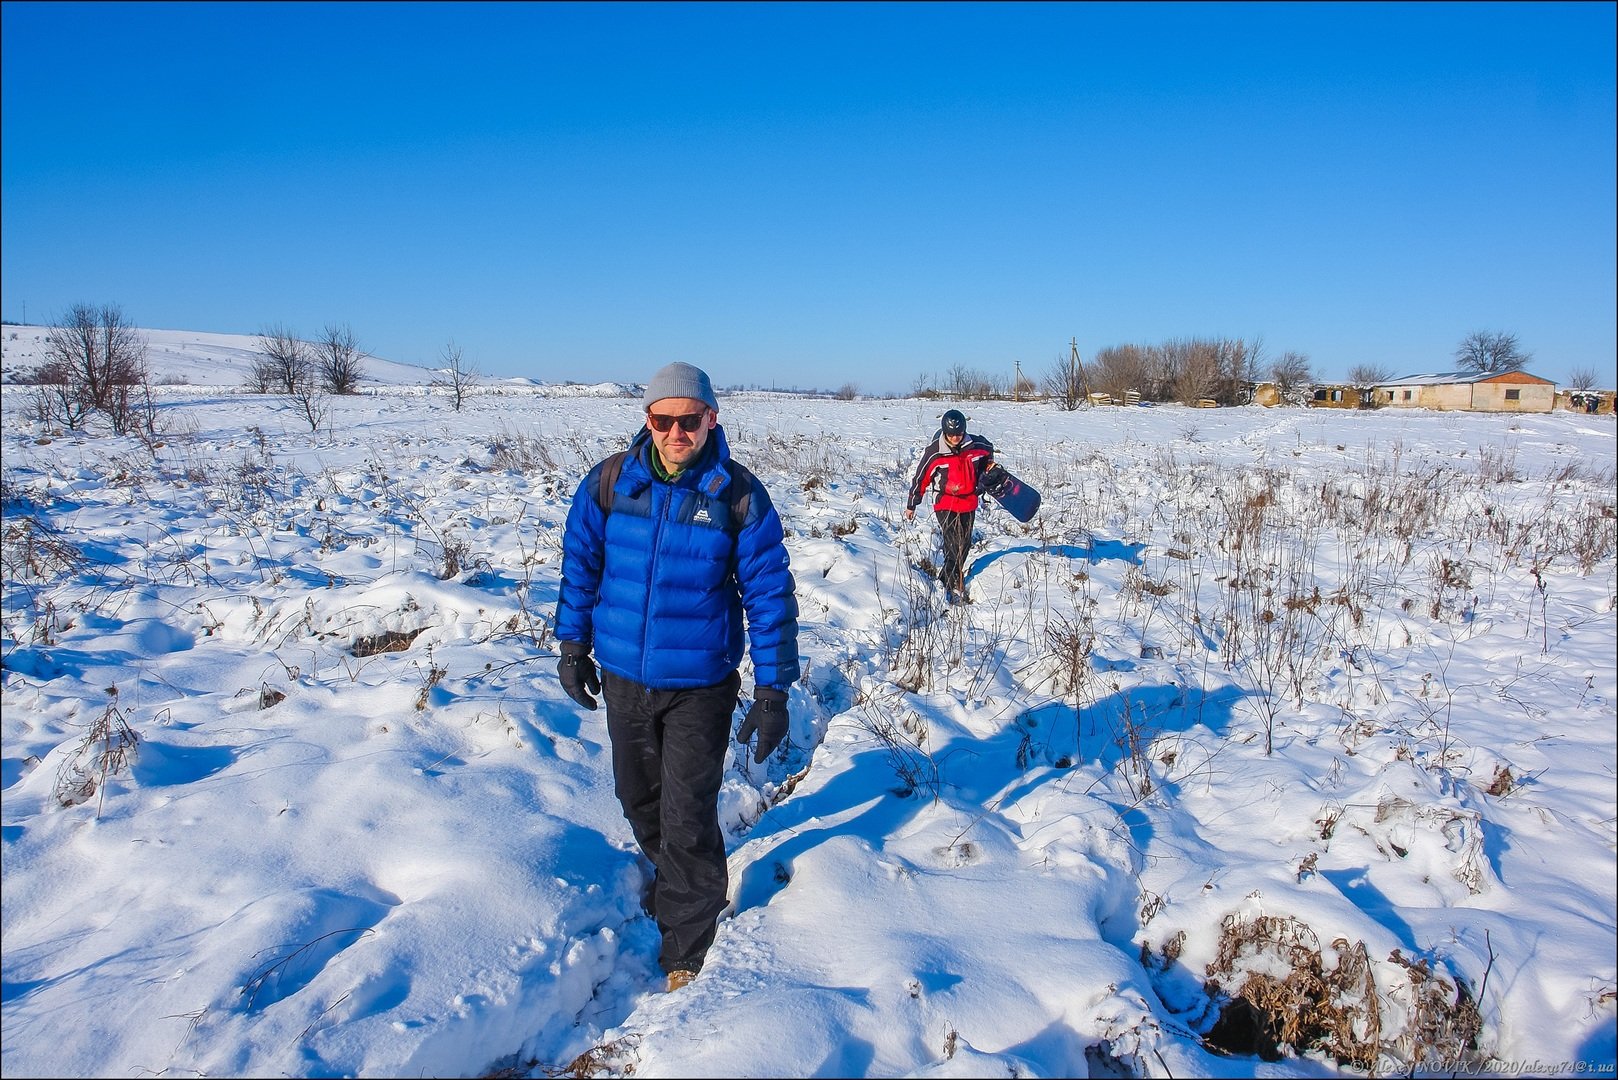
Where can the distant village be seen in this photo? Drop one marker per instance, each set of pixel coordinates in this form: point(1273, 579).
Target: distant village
point(1453, 391)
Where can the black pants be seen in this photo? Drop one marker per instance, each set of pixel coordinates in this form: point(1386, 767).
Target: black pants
point(668, 758)
point(956, 526)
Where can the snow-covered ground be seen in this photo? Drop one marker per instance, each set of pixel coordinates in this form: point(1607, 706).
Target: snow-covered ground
point(1314, 708)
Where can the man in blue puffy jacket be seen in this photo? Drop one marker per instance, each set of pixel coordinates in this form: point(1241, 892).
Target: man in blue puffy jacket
point(656, 580)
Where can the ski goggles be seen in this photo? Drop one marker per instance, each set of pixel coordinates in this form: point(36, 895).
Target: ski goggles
point(689, 423)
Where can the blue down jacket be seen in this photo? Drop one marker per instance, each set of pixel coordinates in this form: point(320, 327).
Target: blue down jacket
point(658, 587)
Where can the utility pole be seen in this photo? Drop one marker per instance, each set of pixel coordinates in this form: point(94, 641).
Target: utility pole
point(1016, 381)
point(1078, 367)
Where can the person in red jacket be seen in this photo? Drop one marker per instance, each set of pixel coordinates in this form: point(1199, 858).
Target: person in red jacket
point(952, 465)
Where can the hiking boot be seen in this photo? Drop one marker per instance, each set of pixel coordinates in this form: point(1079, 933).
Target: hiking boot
point(680, 978)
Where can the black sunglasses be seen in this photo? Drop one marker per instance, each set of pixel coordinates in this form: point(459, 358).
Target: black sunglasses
point(688, 423)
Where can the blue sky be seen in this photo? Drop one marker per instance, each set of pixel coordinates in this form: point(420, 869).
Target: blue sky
point(816, 194)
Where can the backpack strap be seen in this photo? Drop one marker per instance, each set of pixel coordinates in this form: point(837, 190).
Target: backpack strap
point(610, 469)
point(741, 488)
point(741, 494)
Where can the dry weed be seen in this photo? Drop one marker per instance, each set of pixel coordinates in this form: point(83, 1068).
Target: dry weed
point(32, 550)
point(1444, 1024)
point(1071, 643)
point(387, 641)
point(431, 676)
point(105, 751)
point(1288, 998)
point(1503, 782)
point(609, 1059)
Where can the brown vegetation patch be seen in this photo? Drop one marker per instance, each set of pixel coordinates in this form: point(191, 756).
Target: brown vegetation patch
point(1287, 1000)
point(387, 641)
point(1503, 781)
point(1288, 997)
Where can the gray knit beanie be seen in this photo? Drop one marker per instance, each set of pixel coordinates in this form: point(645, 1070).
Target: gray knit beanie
point(681, 380)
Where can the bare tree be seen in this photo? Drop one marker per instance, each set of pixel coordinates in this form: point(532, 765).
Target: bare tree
point(1581, 379)
point(310, 399)
point(1369, 375)
point(1292, 375)
point(258, 377)
point(284, 363)
point(1118, 369)
point(1196, 370)
point(1061, 385)
point(1162, 369)
point(847, 392)
point(457, 376)
point(1486, 351)
point(340, 360)
point(1235, 367)
point(966, 384)
point(1254, 363)
point(1067, 382)
point(57, 398)
point(94, 361)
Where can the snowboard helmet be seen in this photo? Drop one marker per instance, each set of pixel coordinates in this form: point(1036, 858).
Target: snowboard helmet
point(954, 422)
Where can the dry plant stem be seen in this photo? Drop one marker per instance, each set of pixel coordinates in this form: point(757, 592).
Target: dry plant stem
point(106, 750)
point(256, 983)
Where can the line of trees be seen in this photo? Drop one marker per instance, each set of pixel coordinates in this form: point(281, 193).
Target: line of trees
point(1188, 370)
point(287, 364)
point(96, 365)
point(1191, 370)
point(969, 384)
point(308, 372)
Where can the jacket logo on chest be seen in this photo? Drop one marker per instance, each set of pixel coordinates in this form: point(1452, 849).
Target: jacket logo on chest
point(701, 515)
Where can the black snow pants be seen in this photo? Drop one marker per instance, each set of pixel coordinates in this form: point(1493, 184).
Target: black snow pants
point(668, 758)
point(956, 525)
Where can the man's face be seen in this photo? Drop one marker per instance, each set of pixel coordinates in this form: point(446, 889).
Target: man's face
point(954, 441)
point(677, 446)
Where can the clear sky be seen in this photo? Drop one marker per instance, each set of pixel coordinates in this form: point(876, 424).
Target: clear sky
point(816, 194)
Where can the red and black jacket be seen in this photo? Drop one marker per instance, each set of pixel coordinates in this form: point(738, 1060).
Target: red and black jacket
point(954, 474)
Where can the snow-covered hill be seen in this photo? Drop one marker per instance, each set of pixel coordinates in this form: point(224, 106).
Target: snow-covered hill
point(191, 358)
point(178, 359)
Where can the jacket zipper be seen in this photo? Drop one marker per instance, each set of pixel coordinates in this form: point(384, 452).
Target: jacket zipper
point(659, 519)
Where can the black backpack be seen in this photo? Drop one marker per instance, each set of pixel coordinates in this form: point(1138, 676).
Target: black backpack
point(741, 488)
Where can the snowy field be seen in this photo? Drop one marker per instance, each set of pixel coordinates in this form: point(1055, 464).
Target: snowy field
point(1281, 743)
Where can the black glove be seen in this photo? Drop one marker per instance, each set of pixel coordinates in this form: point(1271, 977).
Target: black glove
point(768, 716)
point(578, 673)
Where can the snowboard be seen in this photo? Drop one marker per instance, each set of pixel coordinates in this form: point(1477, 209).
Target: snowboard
point(1017, 498)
